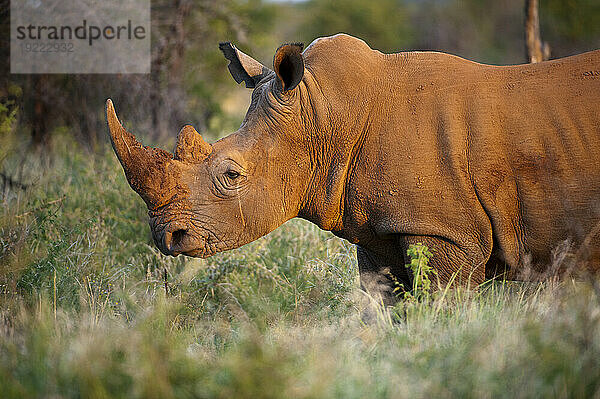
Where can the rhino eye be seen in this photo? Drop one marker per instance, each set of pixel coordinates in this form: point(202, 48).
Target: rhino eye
point(232, 174)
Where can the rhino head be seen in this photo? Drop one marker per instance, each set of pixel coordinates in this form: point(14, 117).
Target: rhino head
point(207, 198)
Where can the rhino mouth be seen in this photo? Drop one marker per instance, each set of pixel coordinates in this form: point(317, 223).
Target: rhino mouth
point(203, 249)
point(200, 252)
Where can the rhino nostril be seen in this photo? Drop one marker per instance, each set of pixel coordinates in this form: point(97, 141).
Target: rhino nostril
point(177, 237)
point(174, 242)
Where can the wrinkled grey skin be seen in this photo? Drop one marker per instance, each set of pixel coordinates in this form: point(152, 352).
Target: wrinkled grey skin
point(491, 167)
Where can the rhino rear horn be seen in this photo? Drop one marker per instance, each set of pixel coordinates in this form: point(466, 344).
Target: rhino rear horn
point(145, 167)
point(191, 147)
point(243, 67)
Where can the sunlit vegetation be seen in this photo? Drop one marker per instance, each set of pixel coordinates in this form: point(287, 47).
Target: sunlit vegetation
point(90, 308)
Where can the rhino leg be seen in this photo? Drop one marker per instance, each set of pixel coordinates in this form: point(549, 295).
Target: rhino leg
point(382, 273)
point(453, 264)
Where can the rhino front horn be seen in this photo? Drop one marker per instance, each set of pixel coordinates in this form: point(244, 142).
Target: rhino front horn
point(146, 168)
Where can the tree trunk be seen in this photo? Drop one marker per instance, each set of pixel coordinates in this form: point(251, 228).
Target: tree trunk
point(39, 132)
point(535, 49)
point(167, 64)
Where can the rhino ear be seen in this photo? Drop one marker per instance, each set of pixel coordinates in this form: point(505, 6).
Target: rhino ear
point(289, 65)
point(243, 67)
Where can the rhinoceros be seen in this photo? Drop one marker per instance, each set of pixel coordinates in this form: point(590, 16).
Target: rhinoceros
point(492, 167)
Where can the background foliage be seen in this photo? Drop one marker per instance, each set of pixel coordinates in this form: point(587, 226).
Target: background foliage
point(189, 82)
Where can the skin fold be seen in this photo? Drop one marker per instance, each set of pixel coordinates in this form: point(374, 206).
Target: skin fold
point(491, 167)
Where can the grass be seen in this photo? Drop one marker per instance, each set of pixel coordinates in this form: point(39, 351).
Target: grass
point(90, 308)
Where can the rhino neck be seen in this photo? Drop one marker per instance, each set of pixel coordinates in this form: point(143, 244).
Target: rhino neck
point(325, 202)
point(335, 145)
